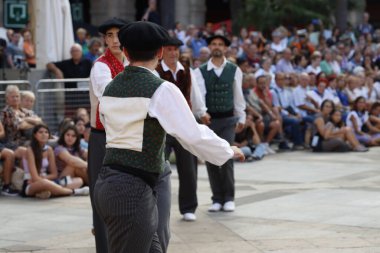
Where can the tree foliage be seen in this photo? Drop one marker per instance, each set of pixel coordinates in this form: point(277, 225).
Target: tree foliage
point(267, 14)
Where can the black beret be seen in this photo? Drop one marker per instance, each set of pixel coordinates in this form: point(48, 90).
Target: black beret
point(110, 23)
point(173, 42)
point(227, 42)
point(143, 36)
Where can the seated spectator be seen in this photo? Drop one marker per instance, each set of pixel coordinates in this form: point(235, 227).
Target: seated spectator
point(27, 100)
point(336, 129)
point(249, 142)
point(7, 158)
point(82, 113)
point(285, 64)
point(300, 63)
point(28, 48)
point(326, 138)
point(18, 122)
point(374, 114)
point(314, 66)
point(283, 100)
point(71, 158)
point(41, 171)
point(358, 121)
point(81, 128)
point(75, 67)
point(341, 86)
point(272, 123)
point(318, 95)
point(94, 46)
point(352, 89)
point(267, 69)
point(301, 101)
point(328, 64)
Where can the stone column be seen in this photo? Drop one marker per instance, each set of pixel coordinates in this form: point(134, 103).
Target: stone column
point(197, 12)
point(102, 10)
point(182, 12)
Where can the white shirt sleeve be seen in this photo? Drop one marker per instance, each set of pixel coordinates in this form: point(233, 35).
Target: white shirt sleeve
point(239, 102)
point(198, 105)
point(201, 83)
point(100, 76)
point(170, 108)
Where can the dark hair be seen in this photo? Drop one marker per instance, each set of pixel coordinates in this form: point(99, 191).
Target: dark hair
point(36, 147)
point(141, 55)
point(355, 106)
point(328, 101)
point(61, 140)
point(374, 106)
point(339, 124)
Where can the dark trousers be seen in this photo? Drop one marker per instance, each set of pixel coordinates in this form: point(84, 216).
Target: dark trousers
point(96, 152)
point(187, 175)
point(163, 194)
point(129, 210)
point(221, 178)
point(293, 127)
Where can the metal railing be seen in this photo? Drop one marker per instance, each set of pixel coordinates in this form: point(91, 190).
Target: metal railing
point(57, 99)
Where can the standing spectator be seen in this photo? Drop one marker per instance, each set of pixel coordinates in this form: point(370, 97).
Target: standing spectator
point(94, 46)
point(151, 13)
point(171, 70)
point(81, 39)
point(365, 27)
point(196, 42)
point(28, 47)
point(15, 55)
point(221, 87)
point(75, 67)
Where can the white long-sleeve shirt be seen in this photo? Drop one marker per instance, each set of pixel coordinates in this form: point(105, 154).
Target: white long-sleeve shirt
point(198, 105)
point(170, 108)
point(239, 102)
point(100, 76)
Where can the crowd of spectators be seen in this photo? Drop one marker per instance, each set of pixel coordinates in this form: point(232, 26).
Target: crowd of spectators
point(308, 88)
point(292, 76)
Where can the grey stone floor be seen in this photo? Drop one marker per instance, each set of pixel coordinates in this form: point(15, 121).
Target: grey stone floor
point(297, 202)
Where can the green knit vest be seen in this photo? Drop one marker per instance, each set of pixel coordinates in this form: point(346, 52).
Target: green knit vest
point(219, 95)
point(138, 82)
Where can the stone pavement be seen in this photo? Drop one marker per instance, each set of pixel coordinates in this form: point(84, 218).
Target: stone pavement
point(297, 202)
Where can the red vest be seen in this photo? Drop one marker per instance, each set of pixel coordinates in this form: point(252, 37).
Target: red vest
point(116, 67)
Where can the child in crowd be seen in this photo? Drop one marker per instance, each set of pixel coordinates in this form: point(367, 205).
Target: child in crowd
point(358, 120)
point(71, 158)
point(41, 171)
point(327, 138)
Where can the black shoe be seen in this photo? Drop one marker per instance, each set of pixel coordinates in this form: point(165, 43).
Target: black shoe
point(283, 146)
point(8, 191)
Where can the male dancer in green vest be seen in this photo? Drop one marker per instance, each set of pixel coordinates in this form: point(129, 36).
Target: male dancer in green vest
point(136, 109)
point(220, 82)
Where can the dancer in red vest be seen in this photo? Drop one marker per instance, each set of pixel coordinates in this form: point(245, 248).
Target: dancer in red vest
point(104, 70)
